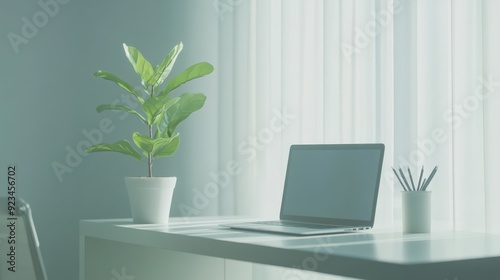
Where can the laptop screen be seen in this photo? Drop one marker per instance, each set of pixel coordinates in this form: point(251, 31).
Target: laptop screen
point(335, 184)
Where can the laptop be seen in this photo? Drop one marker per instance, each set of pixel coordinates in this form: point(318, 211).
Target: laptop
point(329, 188)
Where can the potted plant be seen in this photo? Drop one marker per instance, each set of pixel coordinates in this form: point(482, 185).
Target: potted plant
point(160, 113)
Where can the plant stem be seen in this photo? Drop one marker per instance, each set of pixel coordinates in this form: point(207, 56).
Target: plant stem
point(150, 156)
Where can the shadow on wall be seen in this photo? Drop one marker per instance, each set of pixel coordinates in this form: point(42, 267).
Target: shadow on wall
point(52, 48)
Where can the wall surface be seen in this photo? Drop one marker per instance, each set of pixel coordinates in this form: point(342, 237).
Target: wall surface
point(49, 51)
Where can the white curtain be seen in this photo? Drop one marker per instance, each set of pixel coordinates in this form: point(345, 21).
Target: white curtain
point(447, 85)
point(296, 72)
point(419, 76)
point(423, 77)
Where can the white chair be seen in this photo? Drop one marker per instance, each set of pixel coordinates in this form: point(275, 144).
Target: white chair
point(28, 259)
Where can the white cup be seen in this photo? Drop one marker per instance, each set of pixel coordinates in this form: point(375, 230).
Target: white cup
point(416, 211)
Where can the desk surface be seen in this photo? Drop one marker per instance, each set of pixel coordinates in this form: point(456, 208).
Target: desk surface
point(374, 254)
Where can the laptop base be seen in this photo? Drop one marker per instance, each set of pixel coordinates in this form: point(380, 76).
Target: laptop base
point(292, 230)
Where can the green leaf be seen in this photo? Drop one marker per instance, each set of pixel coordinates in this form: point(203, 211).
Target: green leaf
point(154, 108)
point(122, 146)
point(165, 67)
point(196, 71)
point(118, 107)
point(187, 104)
point(167, 148)
point(141, 66)
point(162, 125)
point(126, 86)
point(158, 147)
point(143, 142)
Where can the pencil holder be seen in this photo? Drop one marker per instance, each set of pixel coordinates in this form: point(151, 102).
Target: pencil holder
point(416, 211)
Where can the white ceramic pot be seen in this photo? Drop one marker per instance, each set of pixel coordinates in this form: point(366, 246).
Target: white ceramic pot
point(150, 198)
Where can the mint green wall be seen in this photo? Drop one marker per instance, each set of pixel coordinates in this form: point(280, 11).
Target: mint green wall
point(49, 97)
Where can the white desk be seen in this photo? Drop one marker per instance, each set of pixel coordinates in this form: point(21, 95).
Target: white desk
point(200, 249)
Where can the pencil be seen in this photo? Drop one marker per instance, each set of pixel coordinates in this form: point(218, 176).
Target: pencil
point(399, 179)
point(430, 177)
point(411, 180)
point(404, 179)
point(420, 179)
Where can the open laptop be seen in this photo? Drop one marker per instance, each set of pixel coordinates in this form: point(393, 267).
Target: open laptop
point(329, 188)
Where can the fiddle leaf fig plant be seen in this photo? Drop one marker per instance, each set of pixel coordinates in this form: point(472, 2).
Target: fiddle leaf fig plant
point(159, 112)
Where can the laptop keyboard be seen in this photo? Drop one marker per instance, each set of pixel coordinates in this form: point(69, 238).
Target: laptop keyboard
point(294, 224)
